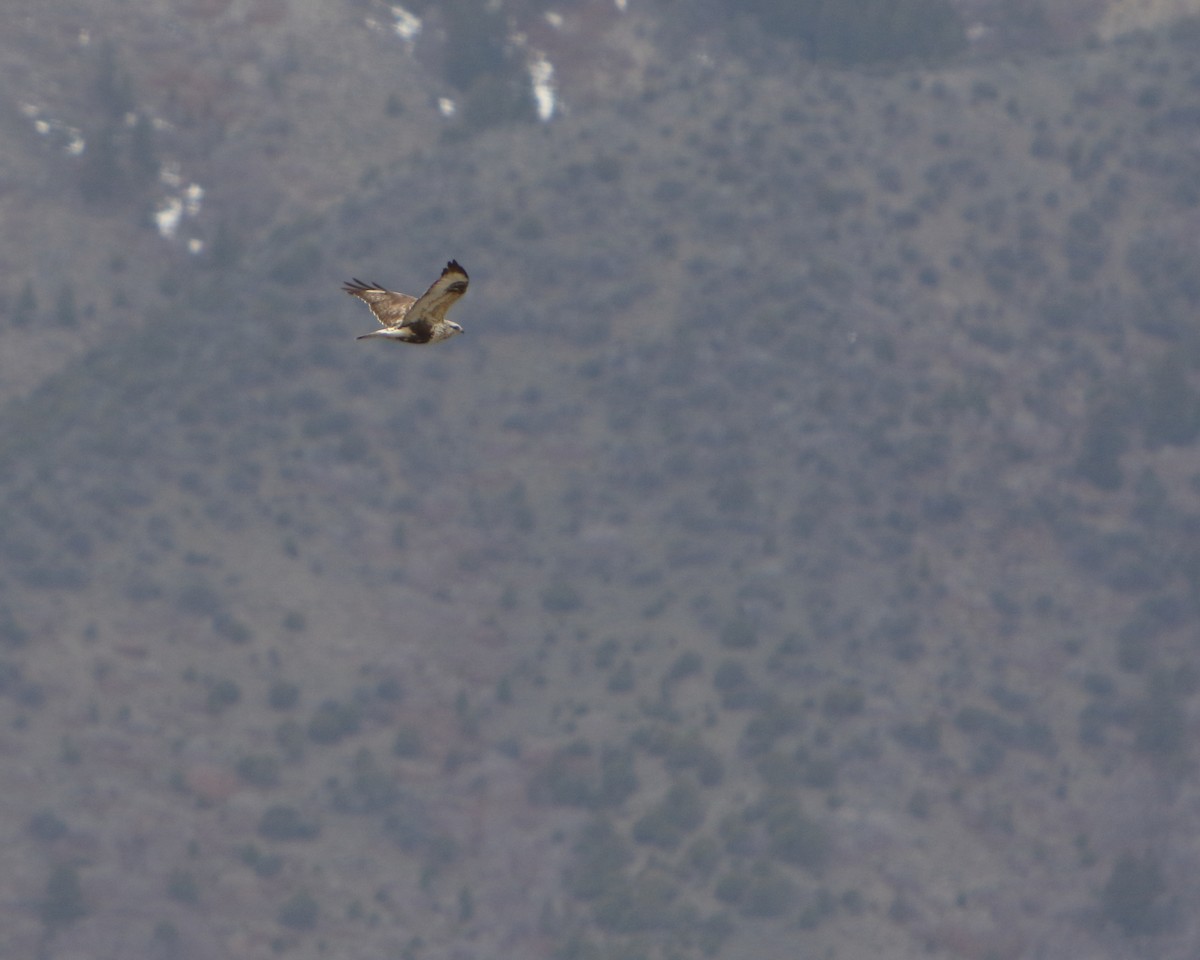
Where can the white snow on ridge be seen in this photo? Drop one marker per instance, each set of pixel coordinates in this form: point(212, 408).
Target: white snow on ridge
point(541, 72)
point(181, 202)
point(407, 24)
point(73, 141)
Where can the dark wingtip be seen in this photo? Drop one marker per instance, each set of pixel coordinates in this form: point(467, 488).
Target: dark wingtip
point(454, 267)
point(355, 286)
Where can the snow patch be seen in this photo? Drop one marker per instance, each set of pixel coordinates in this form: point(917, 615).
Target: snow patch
point(71, 137)
point(406, 24)
point(541, 72)
point(182, 202)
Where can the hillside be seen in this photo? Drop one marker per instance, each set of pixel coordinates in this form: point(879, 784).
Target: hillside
point(797, 549)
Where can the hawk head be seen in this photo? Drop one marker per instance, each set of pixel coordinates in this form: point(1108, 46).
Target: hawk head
point(444, 331)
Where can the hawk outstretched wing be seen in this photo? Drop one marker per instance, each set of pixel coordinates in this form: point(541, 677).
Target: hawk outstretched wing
point(441, 295)
point(390, 308)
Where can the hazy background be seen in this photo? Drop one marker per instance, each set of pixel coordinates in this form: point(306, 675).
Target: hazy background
point(796, 556)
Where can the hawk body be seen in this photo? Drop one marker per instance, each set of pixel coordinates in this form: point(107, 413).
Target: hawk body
point(413, 319)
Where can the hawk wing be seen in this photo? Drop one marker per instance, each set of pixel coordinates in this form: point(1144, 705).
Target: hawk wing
point(432, 305)
point(390, 308)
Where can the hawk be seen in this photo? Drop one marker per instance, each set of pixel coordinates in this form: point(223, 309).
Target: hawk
point(414, 319)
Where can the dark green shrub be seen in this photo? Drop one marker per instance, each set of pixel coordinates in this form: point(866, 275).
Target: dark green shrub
point(606, 653)
point(299, 911)
point(1171, 411)
point(703, 855)
point(264, 865)
point(816, 772)
point(479, 34)
point(712, 933)
point(618, 778)
point(795, 837)
point(199, 600)
point(621, 680)
point(739, 633)
point(1135, 638)
point(259, 770)
point(408, 742)
point(732, 887)
point(65, 312)
point(182, 886)
point(1101, 685)
point(101, 176)
point(63, 902)
point(283, 695)
point(333, 721)
point(283, 822)
point(567, 779)
point(1165, 270)
point(12, 634)
point(733, 683)
point(764, 728)
point(637, 905)
point(111, 86)
point(222, 694)
point(576, 776)
point(864, 31)
point(598, 859)
point(758, 892)
point(290, 737)
point(561, 597)
point(1160, 721)
point(821, 905)
point(299, 261)
point(843, 700)
point(689, 753)
point(1132, 897)
point(47, 826)
point(686, 665)
point(666, 824)
point(143, 158)
point(26, 308)
point(925, 736)
point(769, 894)
point(1085, 246)
point(1099, 460)
point(165, 939)
point(371, 788)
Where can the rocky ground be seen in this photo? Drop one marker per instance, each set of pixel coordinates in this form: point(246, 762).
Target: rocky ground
point(795, 553)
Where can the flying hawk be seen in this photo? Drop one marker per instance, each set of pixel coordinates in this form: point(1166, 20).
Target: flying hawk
point(414, 319)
